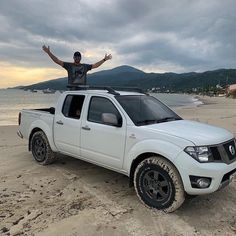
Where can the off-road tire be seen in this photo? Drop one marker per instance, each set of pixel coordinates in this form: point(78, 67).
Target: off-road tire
point(156, 177)
point(41, 149)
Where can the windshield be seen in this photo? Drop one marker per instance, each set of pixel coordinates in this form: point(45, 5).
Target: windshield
point(145, 110)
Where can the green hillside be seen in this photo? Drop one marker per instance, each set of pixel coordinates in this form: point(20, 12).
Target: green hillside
point(130, 76)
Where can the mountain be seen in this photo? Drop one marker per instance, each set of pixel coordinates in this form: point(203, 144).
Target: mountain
point(56, 84)
point(129, 76)
point(119, 76)
point(119, 69)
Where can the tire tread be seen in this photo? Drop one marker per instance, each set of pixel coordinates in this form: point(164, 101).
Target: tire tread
point(50, 155)
point(172, 171)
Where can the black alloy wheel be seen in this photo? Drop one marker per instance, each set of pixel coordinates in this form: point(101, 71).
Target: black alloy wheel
point(157, 186)
point(39, 149)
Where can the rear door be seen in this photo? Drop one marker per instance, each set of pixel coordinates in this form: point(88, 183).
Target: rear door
point(67, 125)
point(103, 143)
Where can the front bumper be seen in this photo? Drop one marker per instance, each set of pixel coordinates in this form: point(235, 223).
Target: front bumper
point(220, 173)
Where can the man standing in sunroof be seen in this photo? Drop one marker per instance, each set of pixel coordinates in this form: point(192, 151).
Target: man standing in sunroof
point(77, 72)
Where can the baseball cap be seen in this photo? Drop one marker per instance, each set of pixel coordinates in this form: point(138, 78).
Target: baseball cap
point(77, 54)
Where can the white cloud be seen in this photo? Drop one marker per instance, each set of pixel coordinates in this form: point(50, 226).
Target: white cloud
point(158, 35)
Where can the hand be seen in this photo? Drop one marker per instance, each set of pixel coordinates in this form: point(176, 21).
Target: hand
point(108, 57)
point(46, 49)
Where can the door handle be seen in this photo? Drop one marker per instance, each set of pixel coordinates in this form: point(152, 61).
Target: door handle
point(86, 128)
point(59, 122)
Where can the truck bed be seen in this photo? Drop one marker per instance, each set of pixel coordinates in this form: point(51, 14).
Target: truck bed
point(30, 117)
point(51, 110)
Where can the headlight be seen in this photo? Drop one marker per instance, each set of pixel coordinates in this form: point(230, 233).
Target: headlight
point(201, 154)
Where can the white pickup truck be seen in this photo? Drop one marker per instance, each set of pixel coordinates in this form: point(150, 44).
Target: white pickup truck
point(135, 134)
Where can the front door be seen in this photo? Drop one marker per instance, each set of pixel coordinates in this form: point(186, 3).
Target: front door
point(102, 143)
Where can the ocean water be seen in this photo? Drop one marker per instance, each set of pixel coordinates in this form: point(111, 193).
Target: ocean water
point(177, 100)
point(13, 100)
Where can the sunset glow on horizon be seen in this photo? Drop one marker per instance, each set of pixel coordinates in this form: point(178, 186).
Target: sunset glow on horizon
point(12, 75)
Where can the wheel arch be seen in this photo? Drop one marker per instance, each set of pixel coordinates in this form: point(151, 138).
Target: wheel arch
point(142, 157)
point(46, 155)
point(47, 129)
point(172, 197)
point(33, 131)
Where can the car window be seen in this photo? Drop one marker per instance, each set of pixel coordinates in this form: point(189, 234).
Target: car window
point(73, 106)
point(100, 105)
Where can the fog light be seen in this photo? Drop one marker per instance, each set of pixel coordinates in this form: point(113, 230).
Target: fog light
point(203, 182)
point(200, 181)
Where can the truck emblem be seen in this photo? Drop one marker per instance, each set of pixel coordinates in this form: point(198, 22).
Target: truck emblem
point(132, 136)
point(232, 150)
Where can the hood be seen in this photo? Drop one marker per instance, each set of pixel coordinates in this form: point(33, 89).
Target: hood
point(196, 132)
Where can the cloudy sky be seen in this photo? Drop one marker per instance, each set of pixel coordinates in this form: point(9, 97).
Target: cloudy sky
point(152, 35)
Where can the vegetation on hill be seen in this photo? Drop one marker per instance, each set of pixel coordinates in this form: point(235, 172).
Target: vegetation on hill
point(170, 82)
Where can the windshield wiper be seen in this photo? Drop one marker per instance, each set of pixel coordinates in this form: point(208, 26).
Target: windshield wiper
point(154, 121)
point(147, 122)
point(167, 119)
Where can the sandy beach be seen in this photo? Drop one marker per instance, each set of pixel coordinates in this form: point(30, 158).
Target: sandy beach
point(72, 197)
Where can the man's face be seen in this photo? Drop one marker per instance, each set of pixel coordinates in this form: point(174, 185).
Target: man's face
point(77, 59)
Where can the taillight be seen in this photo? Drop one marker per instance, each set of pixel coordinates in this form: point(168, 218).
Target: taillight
point(19, 118)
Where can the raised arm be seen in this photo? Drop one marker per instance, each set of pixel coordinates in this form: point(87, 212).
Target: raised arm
point(99, 63)
point(54, 58)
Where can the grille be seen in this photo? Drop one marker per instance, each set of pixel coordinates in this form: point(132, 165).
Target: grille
point(225, 152)
point(230, 146)
point(216, 154)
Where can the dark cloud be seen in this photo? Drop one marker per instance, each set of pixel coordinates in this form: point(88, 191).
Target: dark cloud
point(162, 35)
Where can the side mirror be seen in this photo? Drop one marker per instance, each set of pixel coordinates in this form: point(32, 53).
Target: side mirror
point(52, 110)
point(111, 119)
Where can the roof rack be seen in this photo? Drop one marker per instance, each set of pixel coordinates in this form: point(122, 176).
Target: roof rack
point(111, 90)
point(88, 87)
point(129, 89)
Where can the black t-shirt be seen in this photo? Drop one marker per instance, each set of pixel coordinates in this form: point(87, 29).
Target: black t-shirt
point(77, 74)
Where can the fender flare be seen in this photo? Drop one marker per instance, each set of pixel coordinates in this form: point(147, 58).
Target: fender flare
point(162, 148)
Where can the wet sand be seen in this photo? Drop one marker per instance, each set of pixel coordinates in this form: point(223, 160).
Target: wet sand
point(72, 197)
